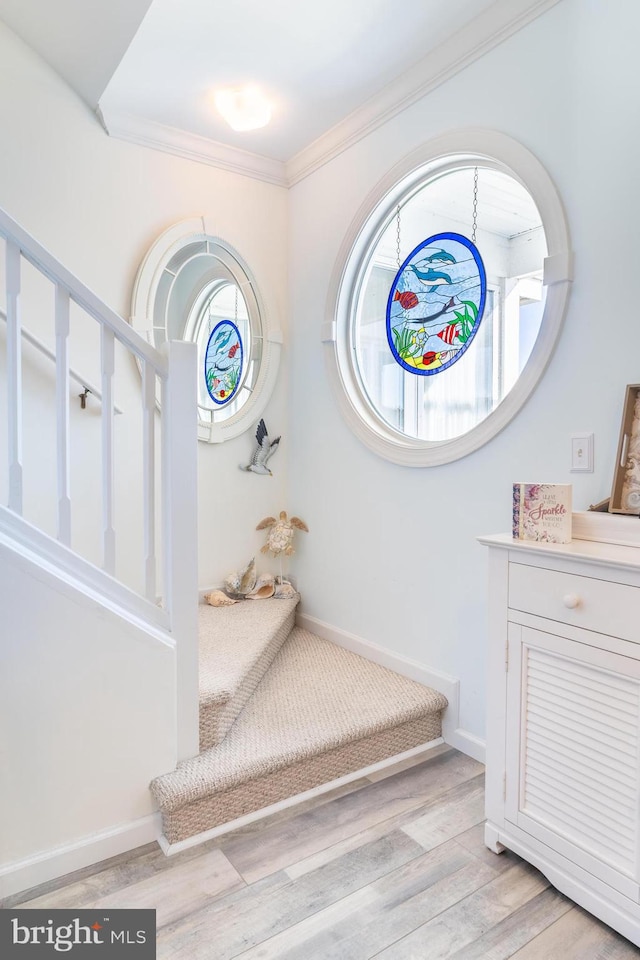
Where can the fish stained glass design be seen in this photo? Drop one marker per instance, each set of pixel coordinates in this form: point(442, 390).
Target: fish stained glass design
point(223, 362)
point(436, 304)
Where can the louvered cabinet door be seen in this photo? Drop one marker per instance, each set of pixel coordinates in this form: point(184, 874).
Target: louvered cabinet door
point(573, 752)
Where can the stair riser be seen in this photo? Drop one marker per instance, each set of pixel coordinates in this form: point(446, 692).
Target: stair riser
point(210, 812)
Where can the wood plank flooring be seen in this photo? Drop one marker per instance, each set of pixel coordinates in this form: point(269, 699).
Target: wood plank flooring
point(392, 866)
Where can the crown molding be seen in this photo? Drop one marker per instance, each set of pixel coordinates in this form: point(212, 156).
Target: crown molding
point(486, 31)
point(190, 146)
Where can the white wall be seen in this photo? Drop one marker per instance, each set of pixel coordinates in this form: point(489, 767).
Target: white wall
point(87, 719)
point(98, 204)
point(391, 554)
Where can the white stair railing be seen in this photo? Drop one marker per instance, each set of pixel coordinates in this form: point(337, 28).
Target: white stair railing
point(176, 368)
point(85, 382)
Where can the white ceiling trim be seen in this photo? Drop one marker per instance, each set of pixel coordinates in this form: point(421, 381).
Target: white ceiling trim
point(478, 37)
point(191, 146)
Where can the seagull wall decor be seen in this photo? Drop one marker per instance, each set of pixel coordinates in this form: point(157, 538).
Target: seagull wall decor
point(263, 453)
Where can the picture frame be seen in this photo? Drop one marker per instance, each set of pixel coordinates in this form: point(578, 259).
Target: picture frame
point(625, 492)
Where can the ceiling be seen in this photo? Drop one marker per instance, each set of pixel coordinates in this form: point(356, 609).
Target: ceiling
point(317, 61)
point(332, 68)
point(83, 40)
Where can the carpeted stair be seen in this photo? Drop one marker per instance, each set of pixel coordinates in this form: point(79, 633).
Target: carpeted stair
point(317, 713)
point(237, 646)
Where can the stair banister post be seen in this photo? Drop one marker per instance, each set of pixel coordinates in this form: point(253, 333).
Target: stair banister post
point(107, 354)
point(14, 376)
point(149, 477)
point(62, 303)
point(180, 531)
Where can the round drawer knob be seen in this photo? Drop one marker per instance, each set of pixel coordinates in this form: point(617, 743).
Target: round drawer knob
point(571, 600)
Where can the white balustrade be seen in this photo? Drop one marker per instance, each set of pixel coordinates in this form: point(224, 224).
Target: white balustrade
point(149, 476)
point(107, 354)
point(180, 532)
point(14, 377)
point(62, 415)
point(176, 370)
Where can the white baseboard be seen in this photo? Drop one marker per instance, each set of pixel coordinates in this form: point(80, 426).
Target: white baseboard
point(452, 733)
point(170, 849)
point(22, 875)
point(467, 743)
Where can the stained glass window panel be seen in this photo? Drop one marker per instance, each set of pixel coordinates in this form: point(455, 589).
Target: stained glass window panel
point(223, 362)
point(436, 304)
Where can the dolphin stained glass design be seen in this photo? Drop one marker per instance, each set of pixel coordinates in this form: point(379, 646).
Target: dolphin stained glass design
point(436, 304)
point(223, 362)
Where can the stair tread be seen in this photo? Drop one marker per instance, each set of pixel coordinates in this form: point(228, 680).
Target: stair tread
point(316, 697)
point(232, 640)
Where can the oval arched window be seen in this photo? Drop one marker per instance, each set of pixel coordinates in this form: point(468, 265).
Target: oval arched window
point(196, 287)
point(444, 313)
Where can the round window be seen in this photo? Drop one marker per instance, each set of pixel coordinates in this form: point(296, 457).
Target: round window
point(194, 286)
point(450, 298)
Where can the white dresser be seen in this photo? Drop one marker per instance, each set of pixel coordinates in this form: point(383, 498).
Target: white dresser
point(563, 732)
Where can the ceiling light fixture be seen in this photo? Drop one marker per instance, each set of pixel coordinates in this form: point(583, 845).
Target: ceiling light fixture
point(244, 108)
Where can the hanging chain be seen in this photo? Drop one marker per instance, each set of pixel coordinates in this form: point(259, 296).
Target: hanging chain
point(475, 205)
point(236, 307)
point(398, 236)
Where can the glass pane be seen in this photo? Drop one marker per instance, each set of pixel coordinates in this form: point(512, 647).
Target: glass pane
point(436, 304)
point(225, 350)
point(223, 362)
point(511, 243)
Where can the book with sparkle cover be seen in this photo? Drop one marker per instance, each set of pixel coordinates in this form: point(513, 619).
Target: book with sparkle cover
point(542, 511)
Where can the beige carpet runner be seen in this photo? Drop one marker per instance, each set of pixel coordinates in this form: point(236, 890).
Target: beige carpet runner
point(318, 713)
point(237, 646)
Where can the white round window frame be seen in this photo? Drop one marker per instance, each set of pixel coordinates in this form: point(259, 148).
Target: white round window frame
point(143, 299)
point(502, 153)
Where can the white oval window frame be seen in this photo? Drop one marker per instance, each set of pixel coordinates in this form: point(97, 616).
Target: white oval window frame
point(143, 298)
point(431, 159)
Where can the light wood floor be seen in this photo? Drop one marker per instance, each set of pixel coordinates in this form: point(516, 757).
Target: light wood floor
point(392, 866)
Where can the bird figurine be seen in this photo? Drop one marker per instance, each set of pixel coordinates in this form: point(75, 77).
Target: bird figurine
point(265, 450)
point(281, 531)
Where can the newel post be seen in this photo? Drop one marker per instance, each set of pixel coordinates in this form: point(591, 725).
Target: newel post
point(180, 527)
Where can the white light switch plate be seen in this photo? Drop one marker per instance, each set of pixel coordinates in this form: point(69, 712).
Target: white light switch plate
point(582, 453)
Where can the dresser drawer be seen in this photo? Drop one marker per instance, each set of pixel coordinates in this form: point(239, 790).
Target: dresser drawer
point(610, 608)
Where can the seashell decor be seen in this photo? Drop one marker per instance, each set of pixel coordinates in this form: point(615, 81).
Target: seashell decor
point(285, 591)
point(246, 585)
point(264, 588)
point(242, 583)
point(219, 599)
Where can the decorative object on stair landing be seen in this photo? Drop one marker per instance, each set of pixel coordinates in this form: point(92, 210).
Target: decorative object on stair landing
point(437, 299)
point(247, 585)
point(265, 450)
point(281, 531)
point(218, 599)
point(241, 583)
point(284, 590)
point(279, 543)
point(265, 587)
